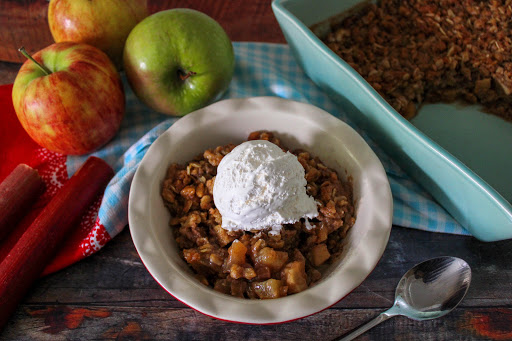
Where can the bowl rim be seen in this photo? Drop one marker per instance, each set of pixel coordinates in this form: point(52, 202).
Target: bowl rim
point(203, 299)
point(497, 201)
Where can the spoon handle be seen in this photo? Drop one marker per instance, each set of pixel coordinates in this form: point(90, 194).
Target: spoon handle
point(365, 327)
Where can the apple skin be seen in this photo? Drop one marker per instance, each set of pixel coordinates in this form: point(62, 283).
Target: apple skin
point(78, 107)
point(104, 24)
point(167, 46)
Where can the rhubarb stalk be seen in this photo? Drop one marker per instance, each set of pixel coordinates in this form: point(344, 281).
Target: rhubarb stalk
point(40, 242)
point(18, 192)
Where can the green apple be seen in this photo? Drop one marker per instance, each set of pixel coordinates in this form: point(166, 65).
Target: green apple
point(178, 60)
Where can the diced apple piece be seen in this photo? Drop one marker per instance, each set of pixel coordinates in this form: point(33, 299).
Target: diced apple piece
point(256, 248)
point(236, 271)
point(237, 252)
point(294, 275)
point(275, 260)
point(249, 273)
point(322, 234)
point(272, 288)
point(319, 254)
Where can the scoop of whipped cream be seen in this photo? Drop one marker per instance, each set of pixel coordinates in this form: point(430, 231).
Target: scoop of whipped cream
point(258, 186)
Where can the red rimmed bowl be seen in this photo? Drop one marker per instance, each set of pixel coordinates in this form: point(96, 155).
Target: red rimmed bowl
point(298, 125)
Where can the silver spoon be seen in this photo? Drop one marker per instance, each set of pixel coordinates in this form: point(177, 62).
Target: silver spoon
point(429, 290)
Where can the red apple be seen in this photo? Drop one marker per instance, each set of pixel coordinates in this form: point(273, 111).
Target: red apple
point(101, 23)
point(69, 98)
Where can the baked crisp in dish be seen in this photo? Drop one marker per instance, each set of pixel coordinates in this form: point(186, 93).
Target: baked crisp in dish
point(256, 264)
point(416, 51)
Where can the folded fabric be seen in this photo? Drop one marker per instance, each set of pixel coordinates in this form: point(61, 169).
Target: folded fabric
point(262, 69)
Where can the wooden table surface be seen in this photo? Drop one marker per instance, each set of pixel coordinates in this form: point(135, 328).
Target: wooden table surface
point(111, 295)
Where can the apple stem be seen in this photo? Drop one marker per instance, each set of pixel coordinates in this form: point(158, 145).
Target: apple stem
point(42, 67)
point(184, 75)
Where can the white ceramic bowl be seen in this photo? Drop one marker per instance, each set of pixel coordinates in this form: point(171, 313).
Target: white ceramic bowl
point(298, 125)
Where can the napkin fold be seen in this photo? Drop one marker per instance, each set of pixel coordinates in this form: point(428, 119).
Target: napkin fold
point(262, 69)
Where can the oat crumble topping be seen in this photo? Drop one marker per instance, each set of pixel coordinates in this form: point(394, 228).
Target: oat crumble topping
point(256, 264)
point(417, 51)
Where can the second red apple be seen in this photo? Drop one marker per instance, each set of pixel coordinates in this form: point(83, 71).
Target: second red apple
point(104, 24)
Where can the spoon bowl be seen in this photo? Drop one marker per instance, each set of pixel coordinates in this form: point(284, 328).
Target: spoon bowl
point(427, 291)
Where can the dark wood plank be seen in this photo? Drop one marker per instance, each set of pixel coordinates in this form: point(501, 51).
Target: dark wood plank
point(243, 20)
point(105, 323)
point(8, 72)
point(23, 23)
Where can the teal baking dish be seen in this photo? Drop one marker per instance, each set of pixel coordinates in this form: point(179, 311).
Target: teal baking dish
point(448, 148)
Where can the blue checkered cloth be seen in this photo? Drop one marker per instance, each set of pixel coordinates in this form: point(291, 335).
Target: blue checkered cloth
point(262, 69)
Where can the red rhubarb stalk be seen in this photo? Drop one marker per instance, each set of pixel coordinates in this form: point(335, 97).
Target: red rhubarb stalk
point(18, 192)
point(40, 242)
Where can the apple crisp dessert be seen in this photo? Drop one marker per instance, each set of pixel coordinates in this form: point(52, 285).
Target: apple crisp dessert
point(256, 264)
point(416, 51)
